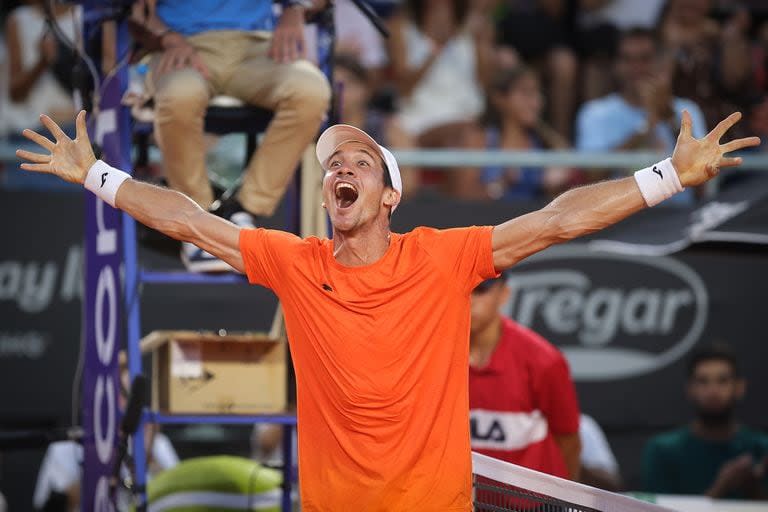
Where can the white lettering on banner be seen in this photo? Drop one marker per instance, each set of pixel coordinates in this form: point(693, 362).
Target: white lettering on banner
point(31, 285)
point(30, 344)
point(105, 339)
point(569, 305)
point(101, 499)
point(498, 430)
point(566, 305)
point(72, 280)
point(106, 289)
point(106, 239)
point(104, 389)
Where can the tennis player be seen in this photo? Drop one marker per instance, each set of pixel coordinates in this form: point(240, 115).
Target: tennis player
point(378, 322)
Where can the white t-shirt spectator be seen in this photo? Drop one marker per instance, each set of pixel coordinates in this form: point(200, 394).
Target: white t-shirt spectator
point(47, 95)
point(595, 451)
point(449, 90)
point(60, 468)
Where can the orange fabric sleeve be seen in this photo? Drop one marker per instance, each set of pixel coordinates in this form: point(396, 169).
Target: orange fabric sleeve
point(266, 254)
point(465, 255)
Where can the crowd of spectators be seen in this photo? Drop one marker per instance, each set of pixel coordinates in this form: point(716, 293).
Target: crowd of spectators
point(500, 74)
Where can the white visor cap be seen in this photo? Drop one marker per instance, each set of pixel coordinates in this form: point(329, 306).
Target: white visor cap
point(338, 134)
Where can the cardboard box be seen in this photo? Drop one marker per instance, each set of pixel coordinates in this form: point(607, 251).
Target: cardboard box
point(205, 373)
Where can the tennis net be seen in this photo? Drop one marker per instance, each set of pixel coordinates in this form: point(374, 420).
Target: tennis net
point(499, 486)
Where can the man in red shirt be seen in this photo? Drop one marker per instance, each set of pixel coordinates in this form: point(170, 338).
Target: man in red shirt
point(523, 406)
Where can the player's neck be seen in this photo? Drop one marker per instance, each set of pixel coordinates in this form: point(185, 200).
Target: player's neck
point(483, 343)
point(361, 247)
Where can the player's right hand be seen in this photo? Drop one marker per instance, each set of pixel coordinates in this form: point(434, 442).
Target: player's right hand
point(68, 159)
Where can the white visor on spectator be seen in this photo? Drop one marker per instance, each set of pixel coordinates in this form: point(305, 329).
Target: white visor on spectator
point(339, 134)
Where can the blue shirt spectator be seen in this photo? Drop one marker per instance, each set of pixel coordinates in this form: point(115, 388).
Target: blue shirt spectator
point(190, 17)
point(607, 123)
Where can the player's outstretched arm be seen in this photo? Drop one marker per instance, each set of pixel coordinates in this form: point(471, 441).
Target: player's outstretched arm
point(167, 211)
point(591, 208)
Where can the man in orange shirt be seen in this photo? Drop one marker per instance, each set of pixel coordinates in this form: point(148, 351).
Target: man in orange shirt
point(378, 322)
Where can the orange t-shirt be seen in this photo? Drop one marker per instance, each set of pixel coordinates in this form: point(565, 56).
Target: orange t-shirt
point(381, 357)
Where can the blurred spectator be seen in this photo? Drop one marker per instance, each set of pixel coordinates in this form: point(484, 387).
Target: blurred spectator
point(513, 121)
point(353, 86)
point(643, 114)
point(710, 63)
point(541, 32)
point(440, 54)
point(235, 48)
point(38, 66)
point(58, 481)
point(523, 406)
point(759, 122)
point(266, 444)
point(598, 463)
point(600, 23)
point(356, 35)
point(714, 455)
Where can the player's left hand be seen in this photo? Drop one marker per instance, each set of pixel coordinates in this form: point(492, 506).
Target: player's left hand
point(698, 160)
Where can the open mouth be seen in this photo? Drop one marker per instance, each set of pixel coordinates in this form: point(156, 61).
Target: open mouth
point(346, 194)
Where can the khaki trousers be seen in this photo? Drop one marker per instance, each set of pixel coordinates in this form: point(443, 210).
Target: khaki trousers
point(239, 66)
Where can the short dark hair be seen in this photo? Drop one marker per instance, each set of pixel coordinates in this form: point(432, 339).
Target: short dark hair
point(640, 33)
point(714, 352)
point(352, 64)
point(387, 176)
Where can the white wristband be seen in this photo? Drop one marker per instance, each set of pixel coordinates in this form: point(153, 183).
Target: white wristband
point(104, 180)
point(658, 182)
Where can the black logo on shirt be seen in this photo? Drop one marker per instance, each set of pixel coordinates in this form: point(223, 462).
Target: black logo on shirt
point(104, 178)
point(327, 287)
point(658, 171)
point(495, 431)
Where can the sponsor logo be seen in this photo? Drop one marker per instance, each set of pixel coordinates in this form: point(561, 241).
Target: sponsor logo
point(104, 179)
point(500, 430)
point(23, 345)
point(32, 285)
point(613, 315)
point(655, 170)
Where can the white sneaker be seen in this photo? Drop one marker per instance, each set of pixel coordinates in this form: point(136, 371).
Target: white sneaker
point(200, 261)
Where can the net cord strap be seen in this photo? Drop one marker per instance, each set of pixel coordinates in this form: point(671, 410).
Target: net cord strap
point(558, 488)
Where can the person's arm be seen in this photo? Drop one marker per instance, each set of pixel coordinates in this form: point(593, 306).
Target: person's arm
point(288, 42)
point(23, 80)
point(591, 208)
point(600, 478)
point(406, 78)
point(570, 447)
point(167, 211)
